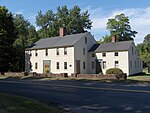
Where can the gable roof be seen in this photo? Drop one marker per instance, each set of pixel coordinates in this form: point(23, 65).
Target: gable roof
point(67, 40)
point(113, 46)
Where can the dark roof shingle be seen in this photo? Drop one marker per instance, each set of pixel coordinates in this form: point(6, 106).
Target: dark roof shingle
point(68, 40)
point(114, 46)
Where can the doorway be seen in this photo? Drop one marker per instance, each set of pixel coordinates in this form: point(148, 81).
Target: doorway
point(46, 66)
point(78, 66)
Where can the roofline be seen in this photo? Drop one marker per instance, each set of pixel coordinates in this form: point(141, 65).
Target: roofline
point(47, 47)
point(109, 51)
point(81, 38)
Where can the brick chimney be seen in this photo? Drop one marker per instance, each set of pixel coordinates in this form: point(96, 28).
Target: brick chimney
point(114, 38)
point(62, 32)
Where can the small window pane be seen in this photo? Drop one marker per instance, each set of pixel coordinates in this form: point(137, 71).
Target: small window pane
point(46, 52)
point(65, 51)
point(57, 65)
point(104, 54)
point(36, 65)
point(85, 40)
point(104, 64)
point(116, 53)
point(116, 64)
point(57, 51)
point(36, 54)
point(93, 54)
point(83, 65)
point(65, 65)
point(83, 51)
point(93, 65)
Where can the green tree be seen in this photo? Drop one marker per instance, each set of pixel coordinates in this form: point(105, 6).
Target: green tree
point(26, 35)
point(144, 49)
point(105, 39)
point(73, 20)
point(120, 26)
point(7, 37)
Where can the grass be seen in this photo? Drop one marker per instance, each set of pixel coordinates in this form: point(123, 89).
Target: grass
point(17, 104)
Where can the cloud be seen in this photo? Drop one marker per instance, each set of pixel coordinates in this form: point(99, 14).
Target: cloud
point(19, 12)
point(139, 20)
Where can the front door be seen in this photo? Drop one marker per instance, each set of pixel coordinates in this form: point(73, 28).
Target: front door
point(78, 66)
point(98, 66)
point(46, 66)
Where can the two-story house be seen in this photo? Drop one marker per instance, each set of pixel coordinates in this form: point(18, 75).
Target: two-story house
point(80, 53)
point(115, 54)
point(62, 54)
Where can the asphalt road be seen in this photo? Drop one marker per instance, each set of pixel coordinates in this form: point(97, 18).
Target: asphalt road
point(84, 96)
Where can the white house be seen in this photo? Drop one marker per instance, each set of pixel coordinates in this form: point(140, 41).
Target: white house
point(79, 53)
point(121, 55)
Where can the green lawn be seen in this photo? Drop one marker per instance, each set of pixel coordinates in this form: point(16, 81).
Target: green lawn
point(17, 104)
point(140, 78)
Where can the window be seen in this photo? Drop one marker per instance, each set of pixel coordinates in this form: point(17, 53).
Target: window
point(46, 52)
point(36, 65)
point(65, 65)
point(116, 53)
point(57, 65)
point(104, 54)
point(132, 51)
point(93, 55)
point(116, 64)
point(138, 64)
point(83, 65)
point(131, 64)
point(104, 64)
point(36, 54)
point(93, 65)
point(30, 53)
point(57, 51)
point(83, 51)
point(85, 40)
point(135, 64)
point(65, 51)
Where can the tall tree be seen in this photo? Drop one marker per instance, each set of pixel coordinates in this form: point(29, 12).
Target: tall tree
point(7, 37)
point(73, 20)
point(26, 35)
point(120, 26)
point(144, 49)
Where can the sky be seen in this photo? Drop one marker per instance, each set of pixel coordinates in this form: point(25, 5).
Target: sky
point(100, 11)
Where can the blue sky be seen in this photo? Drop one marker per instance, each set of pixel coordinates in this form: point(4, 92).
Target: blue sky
point(100, 11)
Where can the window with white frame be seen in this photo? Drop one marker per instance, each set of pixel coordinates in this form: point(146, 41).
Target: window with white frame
point(36, 65)
point(83, 51)
point(103, 54)
point(116, 64)
point(93, 65)
point(116, 54)
point(65, 51)
point(65, 65)
point(46, 52)
point(36, 54)
point(57, 51)
point(85, 40)
point(57, 65)
point(104, 65)
point(83, 65)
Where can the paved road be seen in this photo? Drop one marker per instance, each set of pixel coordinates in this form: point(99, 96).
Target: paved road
point(84, 96)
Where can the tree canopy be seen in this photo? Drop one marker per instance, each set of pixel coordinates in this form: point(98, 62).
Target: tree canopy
point(73, 20)
point(7, 37)
point(119, 26)
point(144, 49)
point(17, 33)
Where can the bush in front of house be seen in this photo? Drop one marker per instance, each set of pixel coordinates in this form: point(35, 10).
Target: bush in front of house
point(114, 71)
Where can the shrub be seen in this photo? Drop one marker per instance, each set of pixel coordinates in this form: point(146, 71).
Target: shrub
point(114, 71)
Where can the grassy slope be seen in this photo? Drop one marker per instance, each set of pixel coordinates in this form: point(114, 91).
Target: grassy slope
point(17, 104)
